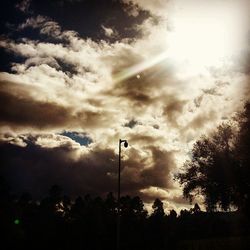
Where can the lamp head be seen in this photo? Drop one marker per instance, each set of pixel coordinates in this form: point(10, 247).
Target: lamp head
point(125, 144)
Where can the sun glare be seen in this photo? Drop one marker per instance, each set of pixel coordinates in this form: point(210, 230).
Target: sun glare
point(205, 36)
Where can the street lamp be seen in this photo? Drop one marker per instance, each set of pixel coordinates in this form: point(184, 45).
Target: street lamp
point(119, 192)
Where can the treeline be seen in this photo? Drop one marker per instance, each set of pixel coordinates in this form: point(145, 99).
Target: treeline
point(57, 222)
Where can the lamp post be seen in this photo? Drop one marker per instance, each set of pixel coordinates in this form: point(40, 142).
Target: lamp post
point(119, 192)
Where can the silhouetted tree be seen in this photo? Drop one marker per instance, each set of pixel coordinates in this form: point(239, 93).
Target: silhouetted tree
point(110, 203)
point(219, 168)
point(243, 157)
point(158, 209)
point(77, 209)
point(210, 171)
point(172, 214)
point(157, 225)
point(196, 209)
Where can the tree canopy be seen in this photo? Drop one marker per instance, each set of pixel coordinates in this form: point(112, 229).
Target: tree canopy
point(219, 166)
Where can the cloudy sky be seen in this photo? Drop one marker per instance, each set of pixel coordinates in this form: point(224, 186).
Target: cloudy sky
point(77, 75)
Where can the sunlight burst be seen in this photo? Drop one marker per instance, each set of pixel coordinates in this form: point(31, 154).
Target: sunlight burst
point(205, 35)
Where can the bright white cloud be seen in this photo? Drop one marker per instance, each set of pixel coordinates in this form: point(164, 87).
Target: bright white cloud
point(109, 32)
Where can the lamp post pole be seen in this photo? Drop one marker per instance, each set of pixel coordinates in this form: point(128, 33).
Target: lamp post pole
point(119, 193)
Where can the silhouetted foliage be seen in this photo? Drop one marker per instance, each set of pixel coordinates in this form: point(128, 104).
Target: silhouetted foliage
point(219, 168)
point(57, 222)
point(196, 209)
point(158, 210)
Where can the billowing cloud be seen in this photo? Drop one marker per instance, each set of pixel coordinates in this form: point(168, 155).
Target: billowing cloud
point(34, 162)
point(20, 109)
point(142, 84)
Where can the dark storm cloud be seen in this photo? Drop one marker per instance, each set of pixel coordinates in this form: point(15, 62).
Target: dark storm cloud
point(173, 109)
point(138, 173)
point(9, 14)
point(84, 16)
point(139, 177)
point(95, 13)
point(34, 168)
point(6, 60)
point(19, 109)
point(158, 174)
point(18, 18)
